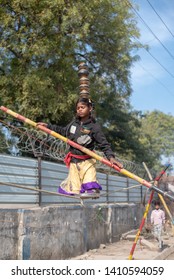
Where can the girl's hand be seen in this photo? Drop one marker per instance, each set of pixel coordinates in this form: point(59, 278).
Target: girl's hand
point(114, 161)
point(41, 123)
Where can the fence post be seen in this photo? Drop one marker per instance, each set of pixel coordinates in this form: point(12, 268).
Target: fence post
point(128, 190)
point(107, 188)
point(141, 190)
point(40, 179)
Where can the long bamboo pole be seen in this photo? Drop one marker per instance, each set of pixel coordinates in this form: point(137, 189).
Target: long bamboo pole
point(84, 150)
point(145, 215)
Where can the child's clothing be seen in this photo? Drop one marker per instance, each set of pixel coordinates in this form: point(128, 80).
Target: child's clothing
point(82, 173)
point(158, 220)
point(81, 178)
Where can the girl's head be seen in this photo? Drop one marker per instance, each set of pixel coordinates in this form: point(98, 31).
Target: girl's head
point(83, 108)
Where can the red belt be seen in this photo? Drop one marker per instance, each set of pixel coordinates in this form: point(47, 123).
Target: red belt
point(69, 156)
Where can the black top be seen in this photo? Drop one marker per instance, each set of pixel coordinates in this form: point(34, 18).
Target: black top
point(87, 134)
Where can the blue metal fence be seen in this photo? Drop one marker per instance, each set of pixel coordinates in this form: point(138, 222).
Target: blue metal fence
point(45, 175)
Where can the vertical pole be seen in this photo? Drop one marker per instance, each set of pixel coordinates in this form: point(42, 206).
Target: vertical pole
point(145, 215)
point(141, 226)
point(40, 179)
point(141, 191)
point(107, 188)
point(128, 190)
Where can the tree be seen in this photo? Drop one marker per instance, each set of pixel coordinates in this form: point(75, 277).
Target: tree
point(157, 137)
point(42, 43)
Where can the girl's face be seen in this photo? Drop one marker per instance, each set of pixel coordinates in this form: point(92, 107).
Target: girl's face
point(83, 111)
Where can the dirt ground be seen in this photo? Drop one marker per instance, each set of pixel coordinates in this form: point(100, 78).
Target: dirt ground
point(121, 250)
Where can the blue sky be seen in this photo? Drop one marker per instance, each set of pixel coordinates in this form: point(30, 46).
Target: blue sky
point(153, 86)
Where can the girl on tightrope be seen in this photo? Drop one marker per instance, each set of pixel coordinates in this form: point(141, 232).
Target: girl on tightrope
point(85, 131)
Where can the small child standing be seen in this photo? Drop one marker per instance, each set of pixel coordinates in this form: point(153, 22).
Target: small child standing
point(158, 221)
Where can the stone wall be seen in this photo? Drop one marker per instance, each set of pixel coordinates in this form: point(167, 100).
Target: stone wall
point(62, 232)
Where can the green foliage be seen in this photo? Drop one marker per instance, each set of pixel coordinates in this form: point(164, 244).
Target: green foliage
point(157, 137)
point(42, 43)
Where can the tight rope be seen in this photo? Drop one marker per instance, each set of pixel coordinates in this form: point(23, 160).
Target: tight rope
point(37, 190)
point(104, 194)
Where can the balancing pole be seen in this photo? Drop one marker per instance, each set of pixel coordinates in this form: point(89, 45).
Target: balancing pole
point(86, 151)
point(145, 214)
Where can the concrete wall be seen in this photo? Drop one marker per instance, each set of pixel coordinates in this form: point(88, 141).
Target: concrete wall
point(62, 232)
